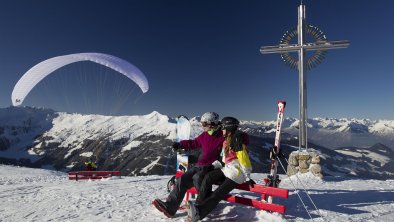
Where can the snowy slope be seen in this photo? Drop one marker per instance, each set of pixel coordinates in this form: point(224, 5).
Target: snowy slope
point(42, 195)
point(19, 127)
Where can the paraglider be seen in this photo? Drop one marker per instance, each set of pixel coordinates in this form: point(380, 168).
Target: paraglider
point(44, 68)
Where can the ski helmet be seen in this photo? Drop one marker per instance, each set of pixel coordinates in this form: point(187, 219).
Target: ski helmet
point(230, 123)
point(210, 118)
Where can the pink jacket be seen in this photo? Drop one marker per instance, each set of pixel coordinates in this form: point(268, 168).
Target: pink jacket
point(211, 146)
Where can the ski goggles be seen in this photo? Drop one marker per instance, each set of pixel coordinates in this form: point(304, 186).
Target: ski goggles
point(208, 124)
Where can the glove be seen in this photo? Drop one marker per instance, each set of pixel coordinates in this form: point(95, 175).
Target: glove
point(176, 146)
point(216, 164)
point(251, 183)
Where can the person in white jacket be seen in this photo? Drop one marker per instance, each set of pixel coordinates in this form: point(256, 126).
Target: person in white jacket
point(236, 170)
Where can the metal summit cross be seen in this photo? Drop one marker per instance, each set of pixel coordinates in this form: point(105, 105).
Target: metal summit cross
point(303, 63)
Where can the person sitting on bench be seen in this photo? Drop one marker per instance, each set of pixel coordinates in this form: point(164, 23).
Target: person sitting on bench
point(236, 171)
point(90, 165)
point(210, 142)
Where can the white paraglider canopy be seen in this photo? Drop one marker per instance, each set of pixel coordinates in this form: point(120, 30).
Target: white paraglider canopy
point(38, 72)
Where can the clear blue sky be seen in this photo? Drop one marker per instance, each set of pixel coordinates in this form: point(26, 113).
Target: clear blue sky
point(200, 55)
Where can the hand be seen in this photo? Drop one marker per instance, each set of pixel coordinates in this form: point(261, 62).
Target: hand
point(176, 146)
point(251, 183)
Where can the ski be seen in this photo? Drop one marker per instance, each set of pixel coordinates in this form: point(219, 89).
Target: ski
point(273, 179)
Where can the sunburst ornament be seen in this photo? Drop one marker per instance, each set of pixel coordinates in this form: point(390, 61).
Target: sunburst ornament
point(317, 56)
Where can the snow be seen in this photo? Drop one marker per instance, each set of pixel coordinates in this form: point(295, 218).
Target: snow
point(43, 195)
point(131, 145)
point(366, 153)
point(86, 154)
point(151, 165)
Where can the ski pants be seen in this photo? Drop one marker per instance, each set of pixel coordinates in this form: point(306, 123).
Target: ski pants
point(208, 200)
point(213, 177)
point(193, 177)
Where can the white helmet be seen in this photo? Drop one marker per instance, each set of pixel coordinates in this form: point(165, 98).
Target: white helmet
point(211, 118)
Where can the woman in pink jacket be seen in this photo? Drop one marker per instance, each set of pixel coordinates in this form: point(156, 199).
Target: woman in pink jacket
point(210, 142)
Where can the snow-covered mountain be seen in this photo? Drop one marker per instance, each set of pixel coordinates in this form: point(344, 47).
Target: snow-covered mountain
point(141, 145)
point(64, 141)
point(332, 133)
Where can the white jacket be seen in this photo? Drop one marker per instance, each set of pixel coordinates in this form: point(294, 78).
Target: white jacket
point(237, 165)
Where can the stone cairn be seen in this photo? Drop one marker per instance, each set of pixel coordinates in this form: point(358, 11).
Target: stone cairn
point(304, 162)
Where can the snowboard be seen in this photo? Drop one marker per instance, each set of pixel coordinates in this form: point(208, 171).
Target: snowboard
point(182, 159)
point(183, 133)
point(183, 128)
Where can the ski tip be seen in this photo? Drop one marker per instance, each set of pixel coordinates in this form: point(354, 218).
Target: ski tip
point(282, 102)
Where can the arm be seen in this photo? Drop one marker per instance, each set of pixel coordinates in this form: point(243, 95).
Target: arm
point(246, 165)
point(191, 144)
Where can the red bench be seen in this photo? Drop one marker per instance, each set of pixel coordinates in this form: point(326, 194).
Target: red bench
point(260, 203)
point(92, 175)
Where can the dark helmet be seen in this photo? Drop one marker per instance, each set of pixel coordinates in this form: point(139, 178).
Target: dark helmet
point(230, 123)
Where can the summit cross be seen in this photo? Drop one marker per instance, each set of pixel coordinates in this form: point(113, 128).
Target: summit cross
point(320, 46)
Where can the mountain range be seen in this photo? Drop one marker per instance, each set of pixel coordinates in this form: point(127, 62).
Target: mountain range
point(141, 145)
point(330, 132)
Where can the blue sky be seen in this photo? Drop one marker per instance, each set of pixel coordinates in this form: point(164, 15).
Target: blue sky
point(199, 55)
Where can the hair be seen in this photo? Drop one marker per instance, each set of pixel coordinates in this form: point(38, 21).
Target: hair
point(229, 139)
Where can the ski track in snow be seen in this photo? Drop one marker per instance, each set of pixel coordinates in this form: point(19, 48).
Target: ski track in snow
point(42, 195)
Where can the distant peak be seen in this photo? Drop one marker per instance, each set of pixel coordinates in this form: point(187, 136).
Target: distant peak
point(157, 116)
point(153, 113)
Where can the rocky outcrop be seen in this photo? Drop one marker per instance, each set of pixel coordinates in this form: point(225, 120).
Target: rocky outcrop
point(304, 162)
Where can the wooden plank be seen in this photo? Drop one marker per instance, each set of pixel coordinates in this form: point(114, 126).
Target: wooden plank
point(89, 178)
point(88, 173)
point(261, 189)
point(256, 203)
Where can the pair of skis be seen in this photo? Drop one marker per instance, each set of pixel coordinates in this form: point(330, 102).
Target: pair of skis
point(272, 179)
